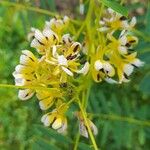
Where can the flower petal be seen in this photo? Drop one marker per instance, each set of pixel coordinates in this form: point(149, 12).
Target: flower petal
point(85, 69)
point(111, 81)
point(98, 65)
point(128, 69)
point(67, 71)
point(62, 60)
point(64, 127)
point(25, 94)
point(46, 103)
point(93, 128)
point(137, 62)
point(57, 123)
point(82, 129)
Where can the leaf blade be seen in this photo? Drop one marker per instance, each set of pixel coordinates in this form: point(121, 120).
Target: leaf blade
point(115, 6)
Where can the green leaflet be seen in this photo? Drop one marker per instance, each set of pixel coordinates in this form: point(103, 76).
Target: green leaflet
point(145, 84)
point(83, 146)
point(51, 134)
point(40, 144)
point(115, 6)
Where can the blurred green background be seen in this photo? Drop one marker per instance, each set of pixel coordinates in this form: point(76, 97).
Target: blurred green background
point(20, 125)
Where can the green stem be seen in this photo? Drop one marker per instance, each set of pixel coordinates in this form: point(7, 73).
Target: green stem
point(122, 118)
point(87, 19)
point(122, 2)
point(88, 127)
point(42, 11)
point(72, 100)
point(88, 91)
point(34, 9)
point(76, 141)
point(79, 31)
point(139, 33)
point(27, 87)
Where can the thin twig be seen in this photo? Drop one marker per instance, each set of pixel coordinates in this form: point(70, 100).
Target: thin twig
point(34, 9)
point(76, 141)
point(88, 128)
point(122, 118)
point(27, 87)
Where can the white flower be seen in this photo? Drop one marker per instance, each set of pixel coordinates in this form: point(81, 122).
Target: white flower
point(27, 58)
point(109, 70)
point(85, 69)
point(57, 24)
point(66, 39)
point(43, 41)
point(57, 121)
point(115, 21)
point(105, 67)
point(83, 127)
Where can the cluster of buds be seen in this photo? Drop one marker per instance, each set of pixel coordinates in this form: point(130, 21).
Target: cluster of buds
point(115, 58)
point(59, 63)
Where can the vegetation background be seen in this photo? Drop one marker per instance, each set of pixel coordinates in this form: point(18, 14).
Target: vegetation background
point(122, 112)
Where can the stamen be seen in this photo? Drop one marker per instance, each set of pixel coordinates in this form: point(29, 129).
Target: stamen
point(41, 43)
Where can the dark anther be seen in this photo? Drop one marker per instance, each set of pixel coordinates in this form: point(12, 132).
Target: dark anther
point(132, 41)
point(125, 75)
point(69, 40)
point(27, 95)
point(53, 121)
point(134, 65)
point(29, 57)
point(128, 45)
point(41, 43)
point(75, 48)
point(46, 38)
point(107, 71)
point(102, 70)
point(64, 41)
point(98, 77)
point(70, 57)
point(123, 18)
point(28, 80)
point(54, 37)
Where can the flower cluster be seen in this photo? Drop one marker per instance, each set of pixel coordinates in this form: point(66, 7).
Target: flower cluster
point(53, 75)
point(56, 64)
point(116, 58)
